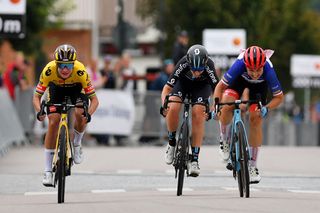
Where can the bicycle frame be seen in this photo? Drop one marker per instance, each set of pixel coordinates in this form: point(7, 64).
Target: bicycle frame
point(234, 141)
point(63, 122)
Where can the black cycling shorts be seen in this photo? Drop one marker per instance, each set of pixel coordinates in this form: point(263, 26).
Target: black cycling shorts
point(58, 94)
point(199, 91)
point(255, 89)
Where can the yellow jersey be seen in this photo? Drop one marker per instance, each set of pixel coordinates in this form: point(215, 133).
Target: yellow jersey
point(78, 76)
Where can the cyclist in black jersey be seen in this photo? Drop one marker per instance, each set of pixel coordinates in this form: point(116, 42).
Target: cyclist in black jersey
point(194, 75)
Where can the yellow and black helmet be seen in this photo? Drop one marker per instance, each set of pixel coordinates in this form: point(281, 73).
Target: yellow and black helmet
point(65, 53)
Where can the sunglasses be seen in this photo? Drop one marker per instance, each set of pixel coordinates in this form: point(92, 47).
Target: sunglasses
point(69, 66)
point(197, 69)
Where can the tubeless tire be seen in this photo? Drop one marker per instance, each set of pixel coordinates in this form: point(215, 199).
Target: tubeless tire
point(61, 170)
point(243, 148)
point(182, 149)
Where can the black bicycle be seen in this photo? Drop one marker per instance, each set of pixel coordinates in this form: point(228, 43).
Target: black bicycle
point(182, 154)
point(63, 155)
point(239, 146)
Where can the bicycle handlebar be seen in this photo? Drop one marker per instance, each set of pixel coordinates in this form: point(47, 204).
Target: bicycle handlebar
point(167, 101)
point(84, 106)
point(237, 103)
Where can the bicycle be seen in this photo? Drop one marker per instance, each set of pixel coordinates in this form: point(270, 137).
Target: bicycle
point(182, 153)
point(239, 146)
point(63, 155)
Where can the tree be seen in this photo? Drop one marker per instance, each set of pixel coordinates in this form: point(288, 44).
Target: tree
point(288, 27)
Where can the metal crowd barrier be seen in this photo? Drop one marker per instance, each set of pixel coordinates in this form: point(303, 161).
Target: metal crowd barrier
point(11, 129)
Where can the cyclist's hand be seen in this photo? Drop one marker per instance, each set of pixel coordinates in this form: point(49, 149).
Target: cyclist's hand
point(40, 116)
point(88, 117)
point(163, 111)
point(264, 111)
point(212, 115)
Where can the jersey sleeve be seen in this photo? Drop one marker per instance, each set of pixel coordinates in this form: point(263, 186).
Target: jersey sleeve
point(179, 68)
point(44, 79)
point(214, 79)
point(237, 69)
point(85, 80)
point(272, 79)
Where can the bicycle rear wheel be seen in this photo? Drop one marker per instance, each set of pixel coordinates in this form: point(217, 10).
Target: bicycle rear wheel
point(182, 156)
point(244, 157)
point(61, 170)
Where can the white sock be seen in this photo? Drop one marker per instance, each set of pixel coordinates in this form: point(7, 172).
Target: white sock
point(77, 138)
point(254, 156)
point(224, 131)
point(48, 153)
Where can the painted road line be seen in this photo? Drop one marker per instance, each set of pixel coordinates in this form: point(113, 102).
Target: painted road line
point(173, 189)
point(39, 193)
point(99, 191)
point(129, 171)
point(305, 191)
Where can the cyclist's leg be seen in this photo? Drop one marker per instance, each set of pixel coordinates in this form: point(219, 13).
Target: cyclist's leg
point(255, 133)
point(79, 127)
point(172, 120)
point(51, 135)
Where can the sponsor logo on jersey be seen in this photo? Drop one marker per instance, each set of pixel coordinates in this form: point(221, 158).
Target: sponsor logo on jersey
point(181, 67)
point(48, 72)
point(80, 72)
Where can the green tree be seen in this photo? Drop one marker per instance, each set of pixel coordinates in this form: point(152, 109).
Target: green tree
point(288, 27)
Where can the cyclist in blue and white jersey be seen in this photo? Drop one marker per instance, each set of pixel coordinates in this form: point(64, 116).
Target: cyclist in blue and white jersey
point(253, 70)
point(194, 74)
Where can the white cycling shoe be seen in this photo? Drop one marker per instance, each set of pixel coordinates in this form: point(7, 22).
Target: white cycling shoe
point(168, 157)
point(48, 179)
point(224, 151)
point(78, 155)
point(193, 168)
point(254, 175)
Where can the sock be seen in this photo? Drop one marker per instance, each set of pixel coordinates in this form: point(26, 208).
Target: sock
point(172, 138)
point(195, 153)
point(254, 156)
point(48, 153)
point(77, 138)
point(224, 131)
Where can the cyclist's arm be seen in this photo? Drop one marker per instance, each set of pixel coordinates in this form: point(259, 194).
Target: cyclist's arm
point(220, 88)
point(94, 102)
point(165, 91)
point(275, 102)
point(36, 102)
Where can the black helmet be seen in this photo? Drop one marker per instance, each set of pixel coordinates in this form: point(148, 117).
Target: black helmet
point(65, 54)
point(197, 57)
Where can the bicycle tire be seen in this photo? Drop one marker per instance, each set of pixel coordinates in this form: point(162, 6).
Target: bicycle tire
point(182, 149)
point(244, 160)
point(62, 164)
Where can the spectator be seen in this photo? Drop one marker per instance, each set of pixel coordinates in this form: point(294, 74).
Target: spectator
point(97, 79)
point(15, 75)
point(108, 72)
point(161, 80)
point(180, 47)
point(124, 68)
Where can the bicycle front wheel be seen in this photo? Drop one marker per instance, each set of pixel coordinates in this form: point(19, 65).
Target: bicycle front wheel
point(182, 155)
point(244, 158)
point(61, 170)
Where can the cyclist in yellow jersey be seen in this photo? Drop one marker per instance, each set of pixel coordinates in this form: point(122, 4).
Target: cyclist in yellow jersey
point(64, 76)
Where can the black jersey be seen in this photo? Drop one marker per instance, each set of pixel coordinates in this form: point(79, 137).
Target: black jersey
point(184, 73)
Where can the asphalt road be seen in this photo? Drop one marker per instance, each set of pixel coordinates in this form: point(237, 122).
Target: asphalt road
point(136, 179)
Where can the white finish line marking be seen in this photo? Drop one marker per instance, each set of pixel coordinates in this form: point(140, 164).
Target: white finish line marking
point(305, 191)
point(129, 171)
point(97, 191)
point(173, 189)
point(39, 193)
